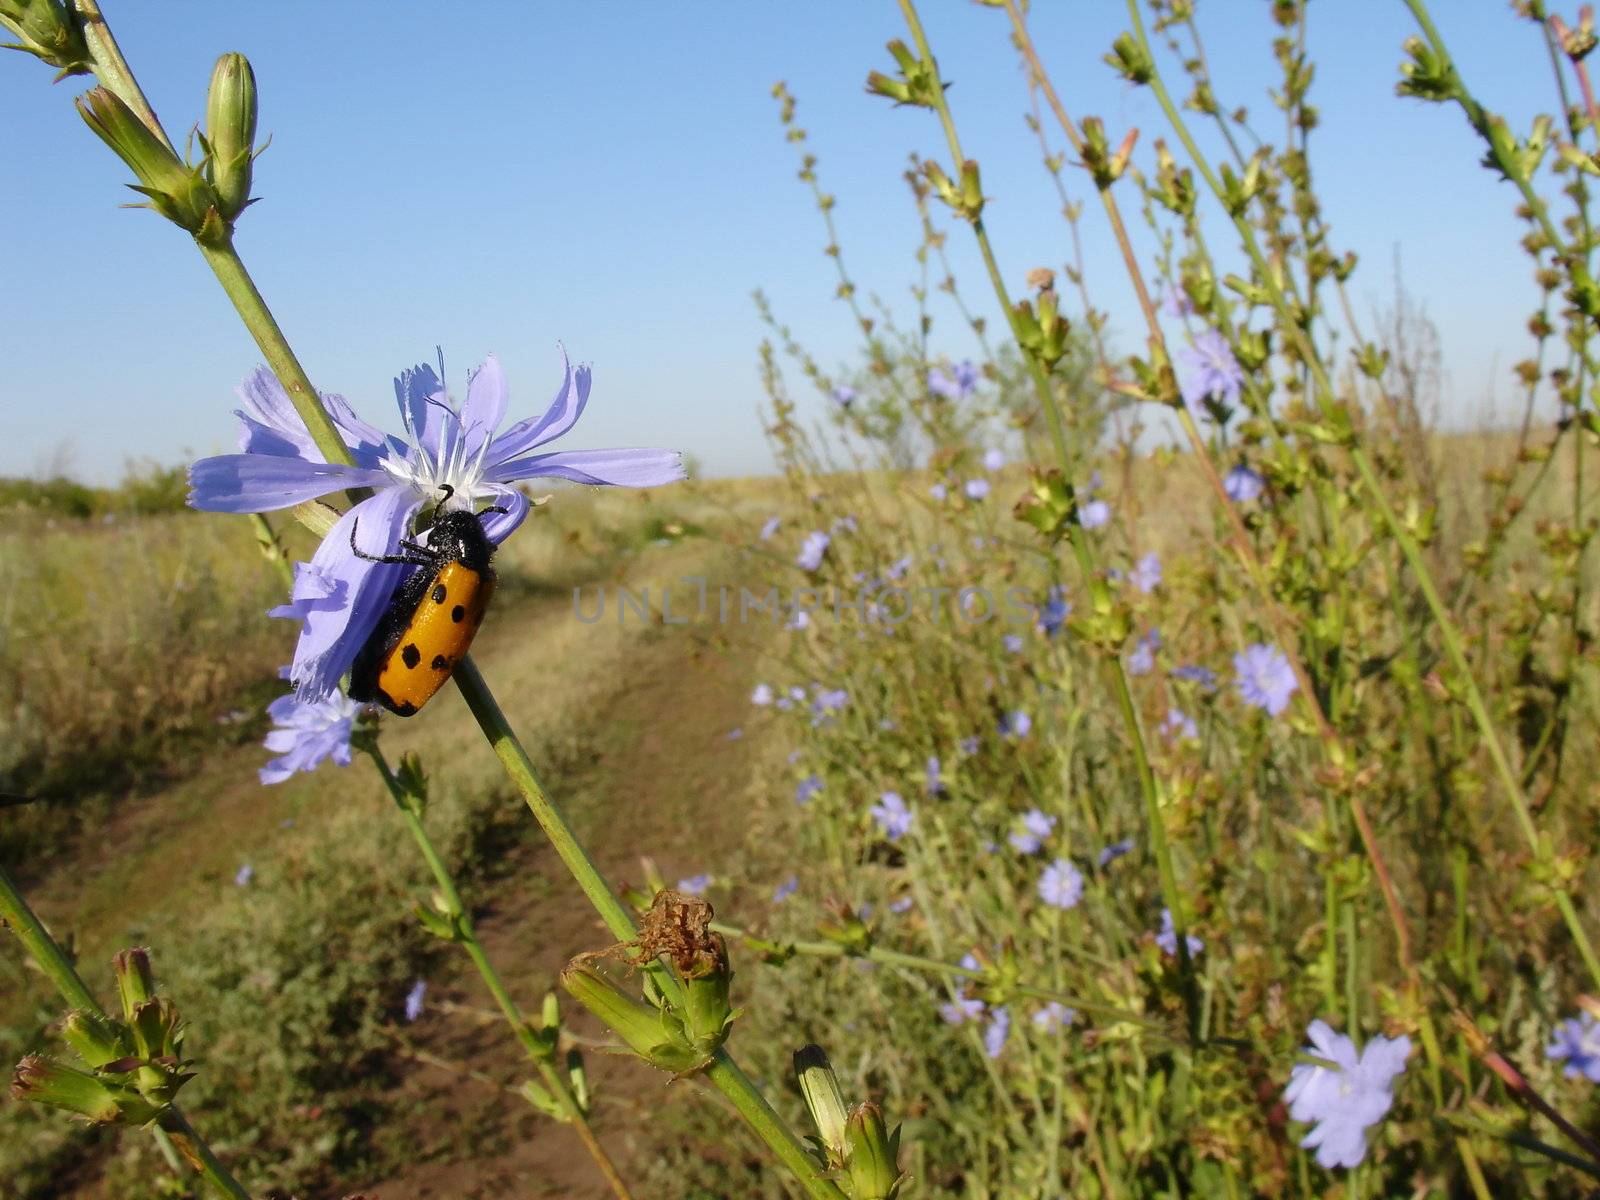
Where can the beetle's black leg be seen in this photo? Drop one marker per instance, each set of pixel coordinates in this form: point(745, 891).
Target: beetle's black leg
point(404, 560)
point(448, 491)
point(416, 548)
point(494, 508)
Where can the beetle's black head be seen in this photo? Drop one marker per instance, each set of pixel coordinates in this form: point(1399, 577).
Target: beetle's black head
point(459, 535)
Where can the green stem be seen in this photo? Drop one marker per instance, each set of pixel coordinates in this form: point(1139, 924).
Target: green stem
point(537, 1053)
point(723, 1072)
point(112, 69)
point(57, 967)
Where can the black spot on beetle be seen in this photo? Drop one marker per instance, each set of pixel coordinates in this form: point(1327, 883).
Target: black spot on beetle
point(458, 613)
point(439, 593)
point(411, 656)
point(441, 663)
point(405, 709)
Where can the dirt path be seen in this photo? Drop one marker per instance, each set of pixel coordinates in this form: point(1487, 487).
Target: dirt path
point(642, 713)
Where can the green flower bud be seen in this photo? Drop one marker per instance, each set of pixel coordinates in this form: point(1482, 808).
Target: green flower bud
point(96, 1039)
point(231, 132)
point(820, 1088)
point(45, 1081)
point(654, 1034)
point(872, 1155)
point(136, 983)
point(49, 31)
point(174, 189)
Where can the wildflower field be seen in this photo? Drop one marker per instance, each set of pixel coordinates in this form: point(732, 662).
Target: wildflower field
point(1131, 746)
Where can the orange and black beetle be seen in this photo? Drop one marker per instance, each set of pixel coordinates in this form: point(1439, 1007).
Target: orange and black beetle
point(429, 624)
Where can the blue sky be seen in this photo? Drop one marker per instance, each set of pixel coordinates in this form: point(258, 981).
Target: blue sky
point(502, 175)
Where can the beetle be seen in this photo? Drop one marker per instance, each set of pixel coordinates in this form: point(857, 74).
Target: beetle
point(434, 614)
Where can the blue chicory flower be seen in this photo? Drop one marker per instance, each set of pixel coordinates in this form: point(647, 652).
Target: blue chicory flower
point(338, 596)
point(1053, 1017)
point(1204, 677)
point(893, 815)
point(1242, 485)
point(994, 1037)
point(1348, 1096)
point(307, 733)
point(969, 745)
point(897, 569)
point(812, 550)
point(1015, 724)
point(1265, 678)
point(244, 876)
point(1012, 642)
point(807, 788)
point(770, 527)
point(993, 460)
point(938, 491)
point(1577, 1043)
point(1212, 370)
point(1143, 658)
point(846, 524)
point(1036, 826)
point(1061, 884)
point(786, 889)
point(902, 905)
point(414, 999)
point(957, 384)
point(1057, 608)
point(762, 695)
point(1179, 724)
point(830, 700)
point(1113, 852)
point(976, 489)
point(844, 395)
point(934, 786)
point(1146, 574)
point(1167, 938)
point(961, 1010)
point(1093, 514)
point(695, 885)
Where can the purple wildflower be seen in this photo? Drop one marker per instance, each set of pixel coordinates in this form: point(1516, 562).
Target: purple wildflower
point(897, 569)
point(956, 385)
point(1242, 485)
point(1113, 852)
point(1036, 826)
point(1146, 574)
point(695, 885)
point(1057, 608)
point(1143, 658)
point(938, 491)
point(1345, 1098)
point(830, 700)
point(976, 489)
point(244, 876)
point(993, 460)
point(1179, 724)
point(961, 1010)
point(1204, 677)
point(786, 889)
point(1212, 370)
point(1012, 642)
point(414, 998)
point(1015, 724)
point(1265, 678)
point(762, 695)
point(770, 527)
point(307, 732)
point(994, 1037)
point(1054, 1017)
point(338, 596)
point(969, 745)
point(807, 788)
point(893, 816)
point(812, 550)
point(934, 785)
point(1577, 1042)
point(902, 905)
point(1061, 884)
point(844, 395)
point(1167, 938)
point(1093, 514)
